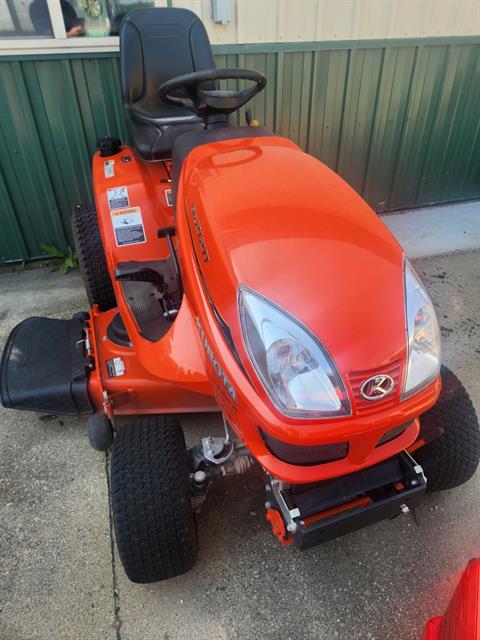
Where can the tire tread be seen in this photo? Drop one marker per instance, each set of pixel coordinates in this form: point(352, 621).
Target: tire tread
point(153, 518)
point(91, 257)
point(451, 459)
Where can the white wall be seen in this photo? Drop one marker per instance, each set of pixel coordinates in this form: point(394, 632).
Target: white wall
point(277, 21)
point(307, 20)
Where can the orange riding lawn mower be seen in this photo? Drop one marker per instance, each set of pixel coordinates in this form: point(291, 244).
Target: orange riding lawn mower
point(229, 271)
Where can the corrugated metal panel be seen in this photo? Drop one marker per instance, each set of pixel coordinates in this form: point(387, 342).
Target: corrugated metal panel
point(306, 20)
point(53, 111)
point(399, 123)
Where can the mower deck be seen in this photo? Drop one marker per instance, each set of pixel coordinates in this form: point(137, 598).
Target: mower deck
point(45, 367)
point(86, 364)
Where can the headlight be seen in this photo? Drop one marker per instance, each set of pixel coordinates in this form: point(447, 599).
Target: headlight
point(423, 335)
point(292, 364)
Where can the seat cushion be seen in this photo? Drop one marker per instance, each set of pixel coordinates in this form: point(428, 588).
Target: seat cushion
point(153, 140)
point(160, 113)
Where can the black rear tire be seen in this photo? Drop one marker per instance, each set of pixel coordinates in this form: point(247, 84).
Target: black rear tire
point(451, 459)
point(91, 257)
point(151, 503)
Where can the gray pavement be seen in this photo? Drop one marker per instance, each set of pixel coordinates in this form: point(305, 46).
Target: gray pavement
point(58, 578)
point(433, 231)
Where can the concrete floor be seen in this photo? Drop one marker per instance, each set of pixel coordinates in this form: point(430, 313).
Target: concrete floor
point(433, 231)
point(58, 578)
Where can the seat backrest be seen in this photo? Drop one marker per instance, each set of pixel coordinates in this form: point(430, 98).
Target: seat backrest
point(157, 45)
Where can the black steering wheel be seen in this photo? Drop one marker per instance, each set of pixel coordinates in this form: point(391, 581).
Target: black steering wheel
point(210, 100)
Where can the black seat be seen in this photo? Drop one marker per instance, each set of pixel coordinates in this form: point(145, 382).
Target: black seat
point(155, 46)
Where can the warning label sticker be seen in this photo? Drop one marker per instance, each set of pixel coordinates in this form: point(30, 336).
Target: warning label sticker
point(118, 198)
point(169, 197)
point(128, 226)
point(116, 367)
point(109, 168)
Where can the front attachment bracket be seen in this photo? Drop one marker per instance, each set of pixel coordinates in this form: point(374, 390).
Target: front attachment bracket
point(332, 508)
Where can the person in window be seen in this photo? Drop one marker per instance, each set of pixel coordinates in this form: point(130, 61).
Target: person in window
point(74, 26)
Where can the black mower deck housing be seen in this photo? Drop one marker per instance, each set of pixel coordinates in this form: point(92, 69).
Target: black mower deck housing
point(45, 368)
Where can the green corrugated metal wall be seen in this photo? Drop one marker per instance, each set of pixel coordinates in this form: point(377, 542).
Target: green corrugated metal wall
point(398, 122)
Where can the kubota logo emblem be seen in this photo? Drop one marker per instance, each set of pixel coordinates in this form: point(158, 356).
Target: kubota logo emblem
point(377, 387)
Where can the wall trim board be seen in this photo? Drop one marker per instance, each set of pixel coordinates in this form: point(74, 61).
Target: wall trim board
point(267, 47)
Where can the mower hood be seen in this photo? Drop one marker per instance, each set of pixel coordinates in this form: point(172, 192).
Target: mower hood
point(264, 214)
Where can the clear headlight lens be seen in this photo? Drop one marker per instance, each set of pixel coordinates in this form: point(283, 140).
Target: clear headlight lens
point(292, 364)
point(423, 335)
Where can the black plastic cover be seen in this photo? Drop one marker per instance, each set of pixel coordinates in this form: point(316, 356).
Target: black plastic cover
point(44, 367)
point(109, 146)
point(304, 455)
point(117, 333)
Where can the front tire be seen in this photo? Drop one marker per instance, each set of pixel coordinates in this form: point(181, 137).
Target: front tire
point(151, 504)
point(453, 457)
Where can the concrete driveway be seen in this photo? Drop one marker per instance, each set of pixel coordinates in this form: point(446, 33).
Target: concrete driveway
point(60, 576)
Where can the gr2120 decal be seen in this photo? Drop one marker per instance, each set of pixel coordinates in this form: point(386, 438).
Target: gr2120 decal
point(199, 233)
point(228, 386)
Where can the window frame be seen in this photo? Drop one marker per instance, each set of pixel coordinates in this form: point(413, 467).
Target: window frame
point(59, 43)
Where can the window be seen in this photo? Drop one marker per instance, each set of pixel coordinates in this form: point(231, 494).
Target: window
point(97, 17)
point(25, 19)
point(64, 25)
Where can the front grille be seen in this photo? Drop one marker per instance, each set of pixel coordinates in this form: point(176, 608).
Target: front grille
point(357, 378)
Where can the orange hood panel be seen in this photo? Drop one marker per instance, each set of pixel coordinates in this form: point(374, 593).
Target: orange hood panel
point(262, 213)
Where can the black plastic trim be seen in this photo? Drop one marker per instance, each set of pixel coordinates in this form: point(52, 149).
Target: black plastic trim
point(391, 434)
point(117, 332)
point(304, 455)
